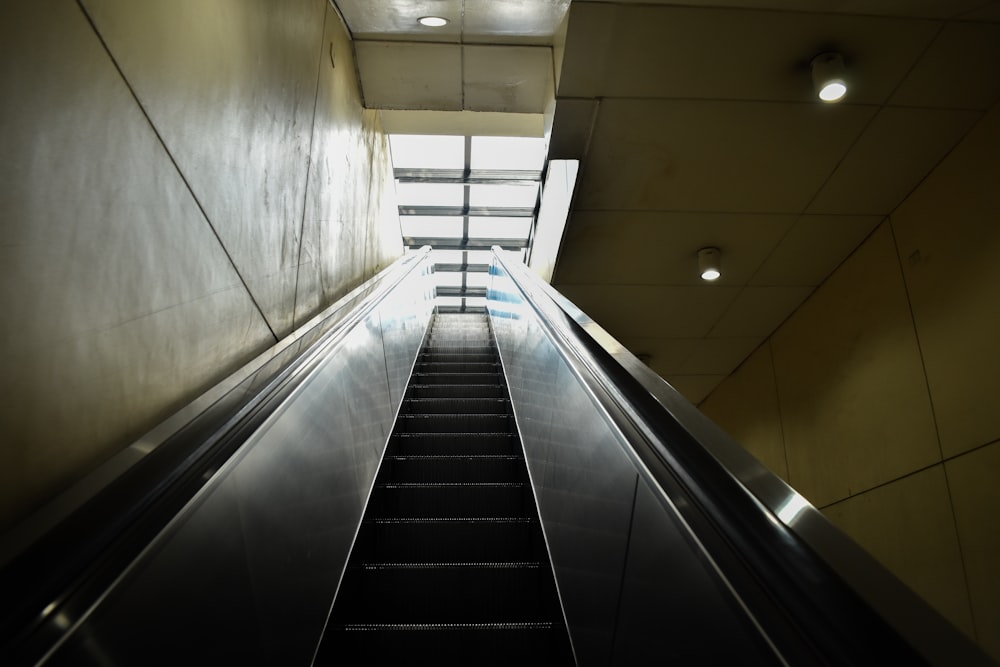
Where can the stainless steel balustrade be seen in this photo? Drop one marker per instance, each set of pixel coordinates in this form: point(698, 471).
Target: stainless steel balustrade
point(669, 541)
point(247, 570)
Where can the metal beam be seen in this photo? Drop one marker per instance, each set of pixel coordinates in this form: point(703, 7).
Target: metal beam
point(471, 244)
point(443, 290)
point(472, 177)
point(458, 211)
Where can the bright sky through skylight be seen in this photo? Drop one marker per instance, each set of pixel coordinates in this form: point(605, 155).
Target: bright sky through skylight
point(508, 153)
point(468, 193)
point(430, 194)
point(501, 196)
point(427, 151)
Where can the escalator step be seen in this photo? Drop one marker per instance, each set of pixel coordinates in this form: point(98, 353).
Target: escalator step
point(439, 500)
point(429, 540)
point(491, 644)
point(455, 423)
point(450, 566)
point(458, 367)
point(446, 593)
point(434, 356)
point(456, 406)
point(405, 444)
point(457, 391)
point(456, 378)
point(452, 468)
point(460, 350)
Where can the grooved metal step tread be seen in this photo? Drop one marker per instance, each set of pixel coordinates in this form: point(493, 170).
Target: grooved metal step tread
point(454, 405)
point(430, 540)
point(454, 457)
point(460, 350)
point(452, 469)
point(457, 500)
point(451, 519)
point(423, 627)
point(455, 423)
point(456, 443)
point(436, 485)
point(468, 391)
point(457, 378)
point(445, 595)
point(461, 644)
point(458, 367)
point(446, 357)
point(513, 565)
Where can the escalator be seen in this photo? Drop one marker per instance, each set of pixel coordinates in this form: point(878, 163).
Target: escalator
point(450, 563)
point(362, 494)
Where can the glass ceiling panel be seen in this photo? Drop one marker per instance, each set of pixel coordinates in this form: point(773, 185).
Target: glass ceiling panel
point(499, 196)
point(505, 198)
point(430, 194)
point(448, 278)
point(505, 153)
point(480, 256)
point(477, 279)
point(431, 226)
point(446, 256)
point(427, 151)
point(499, 228)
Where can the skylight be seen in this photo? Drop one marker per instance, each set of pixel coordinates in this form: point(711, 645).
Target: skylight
point(462, 195)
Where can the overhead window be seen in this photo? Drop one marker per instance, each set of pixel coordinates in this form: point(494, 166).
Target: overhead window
point(426, 151)
point(461, 195)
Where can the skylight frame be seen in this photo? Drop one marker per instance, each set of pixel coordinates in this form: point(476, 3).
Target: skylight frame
point(465, 296)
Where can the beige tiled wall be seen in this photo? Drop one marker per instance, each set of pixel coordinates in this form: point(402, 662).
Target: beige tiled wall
point(182, 183)
point(879, 399)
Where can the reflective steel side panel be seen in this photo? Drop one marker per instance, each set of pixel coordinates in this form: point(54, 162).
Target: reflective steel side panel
point(607, 532)
point(583, 484)
point(405, 315)
point(248, 571)
point(673, 609)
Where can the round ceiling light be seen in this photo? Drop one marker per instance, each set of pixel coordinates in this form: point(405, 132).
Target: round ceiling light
point(709, 264)
point(828, 75)
point(432, 21)
point(832, 91)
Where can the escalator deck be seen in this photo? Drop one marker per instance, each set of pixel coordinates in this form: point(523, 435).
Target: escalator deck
point(450, 565)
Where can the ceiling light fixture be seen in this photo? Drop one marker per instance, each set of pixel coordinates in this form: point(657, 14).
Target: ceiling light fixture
point(432, 21)
point(709, 263)
point(829, 76)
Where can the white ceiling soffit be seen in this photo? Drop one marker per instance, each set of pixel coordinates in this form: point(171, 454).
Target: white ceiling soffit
point(463, 123)
point(493, 55)
point(453, 77)
point(469, 21)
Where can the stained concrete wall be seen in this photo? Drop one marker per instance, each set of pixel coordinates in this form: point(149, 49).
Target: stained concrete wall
point(879, 399)
point(183, 182)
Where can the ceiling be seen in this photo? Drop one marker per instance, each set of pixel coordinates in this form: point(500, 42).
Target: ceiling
point(696, 125)
point(493, 55)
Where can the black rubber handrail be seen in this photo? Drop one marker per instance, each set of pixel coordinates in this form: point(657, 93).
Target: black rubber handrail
point(55, 580)
point(808, 607)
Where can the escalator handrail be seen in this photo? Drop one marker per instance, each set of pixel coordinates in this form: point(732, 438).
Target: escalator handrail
point(783, 538)
point(77, 554)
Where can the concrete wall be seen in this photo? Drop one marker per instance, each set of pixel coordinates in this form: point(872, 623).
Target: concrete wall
point(183, 182)
point(879, 399)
